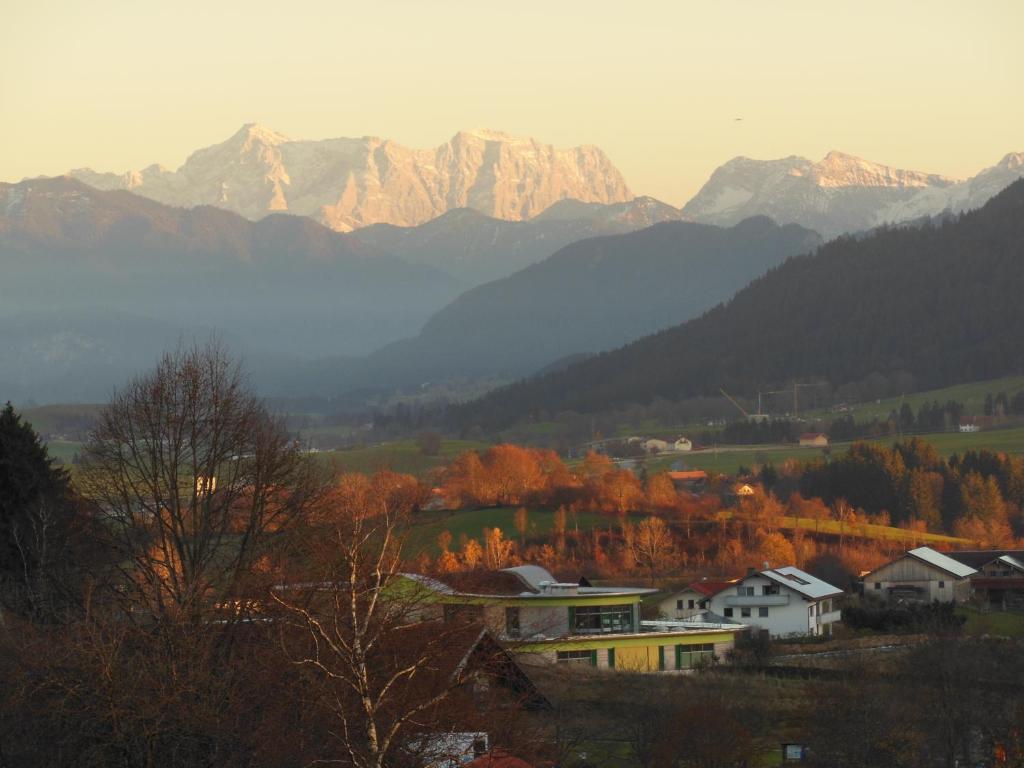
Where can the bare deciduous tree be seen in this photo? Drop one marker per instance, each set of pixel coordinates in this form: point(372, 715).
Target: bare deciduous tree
point(381, 662)
point(190, 473)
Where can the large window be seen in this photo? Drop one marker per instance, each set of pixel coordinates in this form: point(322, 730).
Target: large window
point(690, 656)
point(598, 619)
point(576, 657)
point(512, 622)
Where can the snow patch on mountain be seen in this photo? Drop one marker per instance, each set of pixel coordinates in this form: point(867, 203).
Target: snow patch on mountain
point(347, 183)
point(840, 193)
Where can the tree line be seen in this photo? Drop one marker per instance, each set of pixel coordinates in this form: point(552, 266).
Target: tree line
point(201, 593)
point(857, 309)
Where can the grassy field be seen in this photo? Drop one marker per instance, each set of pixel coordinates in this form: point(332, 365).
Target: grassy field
point(992, 622)
point(869, 531)
point(971, 395)
point(728, 460)
point(401, 456)
point(472, 522)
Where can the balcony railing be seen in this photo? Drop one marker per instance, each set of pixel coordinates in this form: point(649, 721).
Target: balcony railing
point(756, 600)
point(831, 616)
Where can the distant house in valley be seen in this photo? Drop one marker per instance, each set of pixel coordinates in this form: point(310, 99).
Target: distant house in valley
point(743, 489)
point(692, 600)
point(682, 444)
point(998, 580)
point(970, 428)
point(780, 601)
point(654, 445)
point(814, 439)
point(689, 480)
point(921, 575)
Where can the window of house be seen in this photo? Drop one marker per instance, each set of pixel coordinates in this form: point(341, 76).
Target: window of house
point(745, 613)
point(728, 613)
point(691, 604)
point(576, 657)
point(745, 591)
point(598, 619)
point(878, 585)
point(762, 612)
point(512, 622)
point(942, 585)
point(690, 656)
point(463, 613)
point(679, 605)
point(770, 589)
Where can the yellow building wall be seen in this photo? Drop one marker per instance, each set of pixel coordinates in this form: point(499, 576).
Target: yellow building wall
point(637, 659)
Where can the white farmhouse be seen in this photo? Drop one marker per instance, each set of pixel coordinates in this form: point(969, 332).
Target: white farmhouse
point(654, 445)
point(692, 600)
point(920, 575)
point(782, 601)
point(682, 444)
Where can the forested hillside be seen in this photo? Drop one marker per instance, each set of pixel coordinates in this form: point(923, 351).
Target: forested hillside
point(590, 296)
point(920, 307)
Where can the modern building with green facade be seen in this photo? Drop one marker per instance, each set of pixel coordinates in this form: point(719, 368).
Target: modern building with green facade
point(547, 621)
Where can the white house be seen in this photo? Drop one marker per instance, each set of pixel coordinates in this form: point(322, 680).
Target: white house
point(920, 575)
point(682, 444)
point(654, 445)
point(782, 601)
point(690, 601)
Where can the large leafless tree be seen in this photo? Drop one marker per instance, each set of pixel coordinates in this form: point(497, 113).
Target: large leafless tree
point(191, 475)
point(383, 665)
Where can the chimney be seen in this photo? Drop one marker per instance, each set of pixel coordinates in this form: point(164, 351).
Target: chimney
point(751, 571)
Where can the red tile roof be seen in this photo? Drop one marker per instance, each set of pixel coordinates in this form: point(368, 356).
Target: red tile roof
point(709, 588)
point(498, 758)
point(691, 474)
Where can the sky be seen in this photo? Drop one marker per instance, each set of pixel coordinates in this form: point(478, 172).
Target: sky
point(119, 84)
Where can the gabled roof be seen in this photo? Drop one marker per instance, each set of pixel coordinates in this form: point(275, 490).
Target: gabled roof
point(941, 561)
point(709, 588)
point(1011, 561)
point(975, 558)
point(802, 582)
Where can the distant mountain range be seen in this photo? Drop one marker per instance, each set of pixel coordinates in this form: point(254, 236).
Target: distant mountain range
point(282, 285)
point(350, 183)
point(381, 306)
point(840, 193)
point(922, 306)
point(590, 296)
point(476, 248)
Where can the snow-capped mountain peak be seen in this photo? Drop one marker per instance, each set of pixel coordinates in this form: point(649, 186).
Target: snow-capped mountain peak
point(348, 183)
point(839, 193)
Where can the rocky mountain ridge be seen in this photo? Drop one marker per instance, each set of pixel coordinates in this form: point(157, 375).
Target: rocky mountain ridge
point(840, 193)
point(348, 183)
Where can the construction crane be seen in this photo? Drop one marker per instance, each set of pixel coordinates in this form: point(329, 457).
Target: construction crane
point(740, 407)
point(796, 388)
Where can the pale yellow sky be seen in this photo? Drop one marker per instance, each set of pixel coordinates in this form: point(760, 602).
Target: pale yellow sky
point(117, 84)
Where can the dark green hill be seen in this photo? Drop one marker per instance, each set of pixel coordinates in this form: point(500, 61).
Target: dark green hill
point(927, 306)
point(590, 296)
